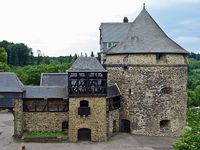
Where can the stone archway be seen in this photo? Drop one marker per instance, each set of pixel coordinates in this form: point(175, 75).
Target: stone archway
point(84, 134)
point(125, 126)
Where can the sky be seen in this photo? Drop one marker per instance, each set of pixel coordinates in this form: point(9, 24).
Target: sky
point(64, 27)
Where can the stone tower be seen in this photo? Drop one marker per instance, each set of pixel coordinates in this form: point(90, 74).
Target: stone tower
point(87, 82)
point(151, 72)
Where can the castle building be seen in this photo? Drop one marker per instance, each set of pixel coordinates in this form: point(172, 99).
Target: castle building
point(140, 88)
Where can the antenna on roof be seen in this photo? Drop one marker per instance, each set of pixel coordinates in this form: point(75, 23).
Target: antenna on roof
point(143, 5)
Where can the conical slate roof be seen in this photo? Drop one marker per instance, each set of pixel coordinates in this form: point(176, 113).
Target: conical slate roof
point(86, 64)
point(145, 36)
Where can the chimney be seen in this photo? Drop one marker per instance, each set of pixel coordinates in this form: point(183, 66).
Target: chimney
point(125, 20)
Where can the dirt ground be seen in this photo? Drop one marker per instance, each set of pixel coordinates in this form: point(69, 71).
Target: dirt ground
point(121, 141)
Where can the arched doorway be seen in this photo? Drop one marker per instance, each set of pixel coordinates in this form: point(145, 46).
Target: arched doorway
point(125, 126)
point(84, 134)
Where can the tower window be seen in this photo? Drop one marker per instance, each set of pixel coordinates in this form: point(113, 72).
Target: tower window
point(125, 68)
point(166, 90)
point(164, 125)
point(83, 103)
point(158, 56)
point(129, 91)
point(84, 110)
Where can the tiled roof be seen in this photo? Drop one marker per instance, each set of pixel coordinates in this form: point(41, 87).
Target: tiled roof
point(9, 82)
point(54, 79)
point(46, 92)
point(145, 36)
point(86, 64)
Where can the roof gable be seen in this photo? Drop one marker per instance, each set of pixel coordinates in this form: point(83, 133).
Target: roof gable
point(145, 36)
point(86, 64)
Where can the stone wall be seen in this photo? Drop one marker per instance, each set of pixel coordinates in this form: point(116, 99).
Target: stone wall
point(151, 92)
point(44, 121)
point(96, 121)
point(113, 116)
point(147, 59)
point(18, 118)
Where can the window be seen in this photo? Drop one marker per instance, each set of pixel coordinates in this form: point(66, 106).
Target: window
point(109, 45)
point(125, 68)
point(158, 56)
point(83, 103)
point(166, 90)
point(84, 110)
point(129, 91)
point(164, 125)
point(65, 125)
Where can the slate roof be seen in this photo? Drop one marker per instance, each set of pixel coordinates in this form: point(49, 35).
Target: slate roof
point(113, 32)
point(46, 92)
point(145, 36)
point(54, 79)
point(113, 91)
point(86, 64)
point(9, 82)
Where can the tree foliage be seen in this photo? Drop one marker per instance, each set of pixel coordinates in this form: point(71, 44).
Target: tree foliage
point(18, 54)
point(30, 75)
point(3, 59)
point(191, 138)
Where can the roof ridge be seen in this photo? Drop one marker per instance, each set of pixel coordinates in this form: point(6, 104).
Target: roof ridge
point(146, 36)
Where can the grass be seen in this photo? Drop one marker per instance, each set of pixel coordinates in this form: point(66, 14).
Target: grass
point(44, 134)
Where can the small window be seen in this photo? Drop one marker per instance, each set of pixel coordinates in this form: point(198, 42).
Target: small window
point(83, 103)
point(129, 91)
point(125, 68)
point(65, 125)
point(166, 90)
point(109, 45)
point(158, 56)
point(164, 125)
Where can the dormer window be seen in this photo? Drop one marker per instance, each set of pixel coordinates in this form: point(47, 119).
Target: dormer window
point(109, 45)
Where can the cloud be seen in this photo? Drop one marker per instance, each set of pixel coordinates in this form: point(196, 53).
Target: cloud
point(188, 39)
point(191, 22)
point(168, 3)
point(190, 43)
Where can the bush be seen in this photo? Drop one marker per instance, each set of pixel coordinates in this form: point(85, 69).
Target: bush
point(191, 138)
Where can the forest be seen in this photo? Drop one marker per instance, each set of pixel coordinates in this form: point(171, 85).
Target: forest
point(19, 58)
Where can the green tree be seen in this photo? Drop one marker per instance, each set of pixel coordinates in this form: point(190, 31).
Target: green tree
point(197, 93)
point(3, 59)
point(3, 55)
point(191, 138)
point(19, 54)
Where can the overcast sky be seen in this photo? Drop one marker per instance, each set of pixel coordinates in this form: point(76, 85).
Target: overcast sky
point(63, 27)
